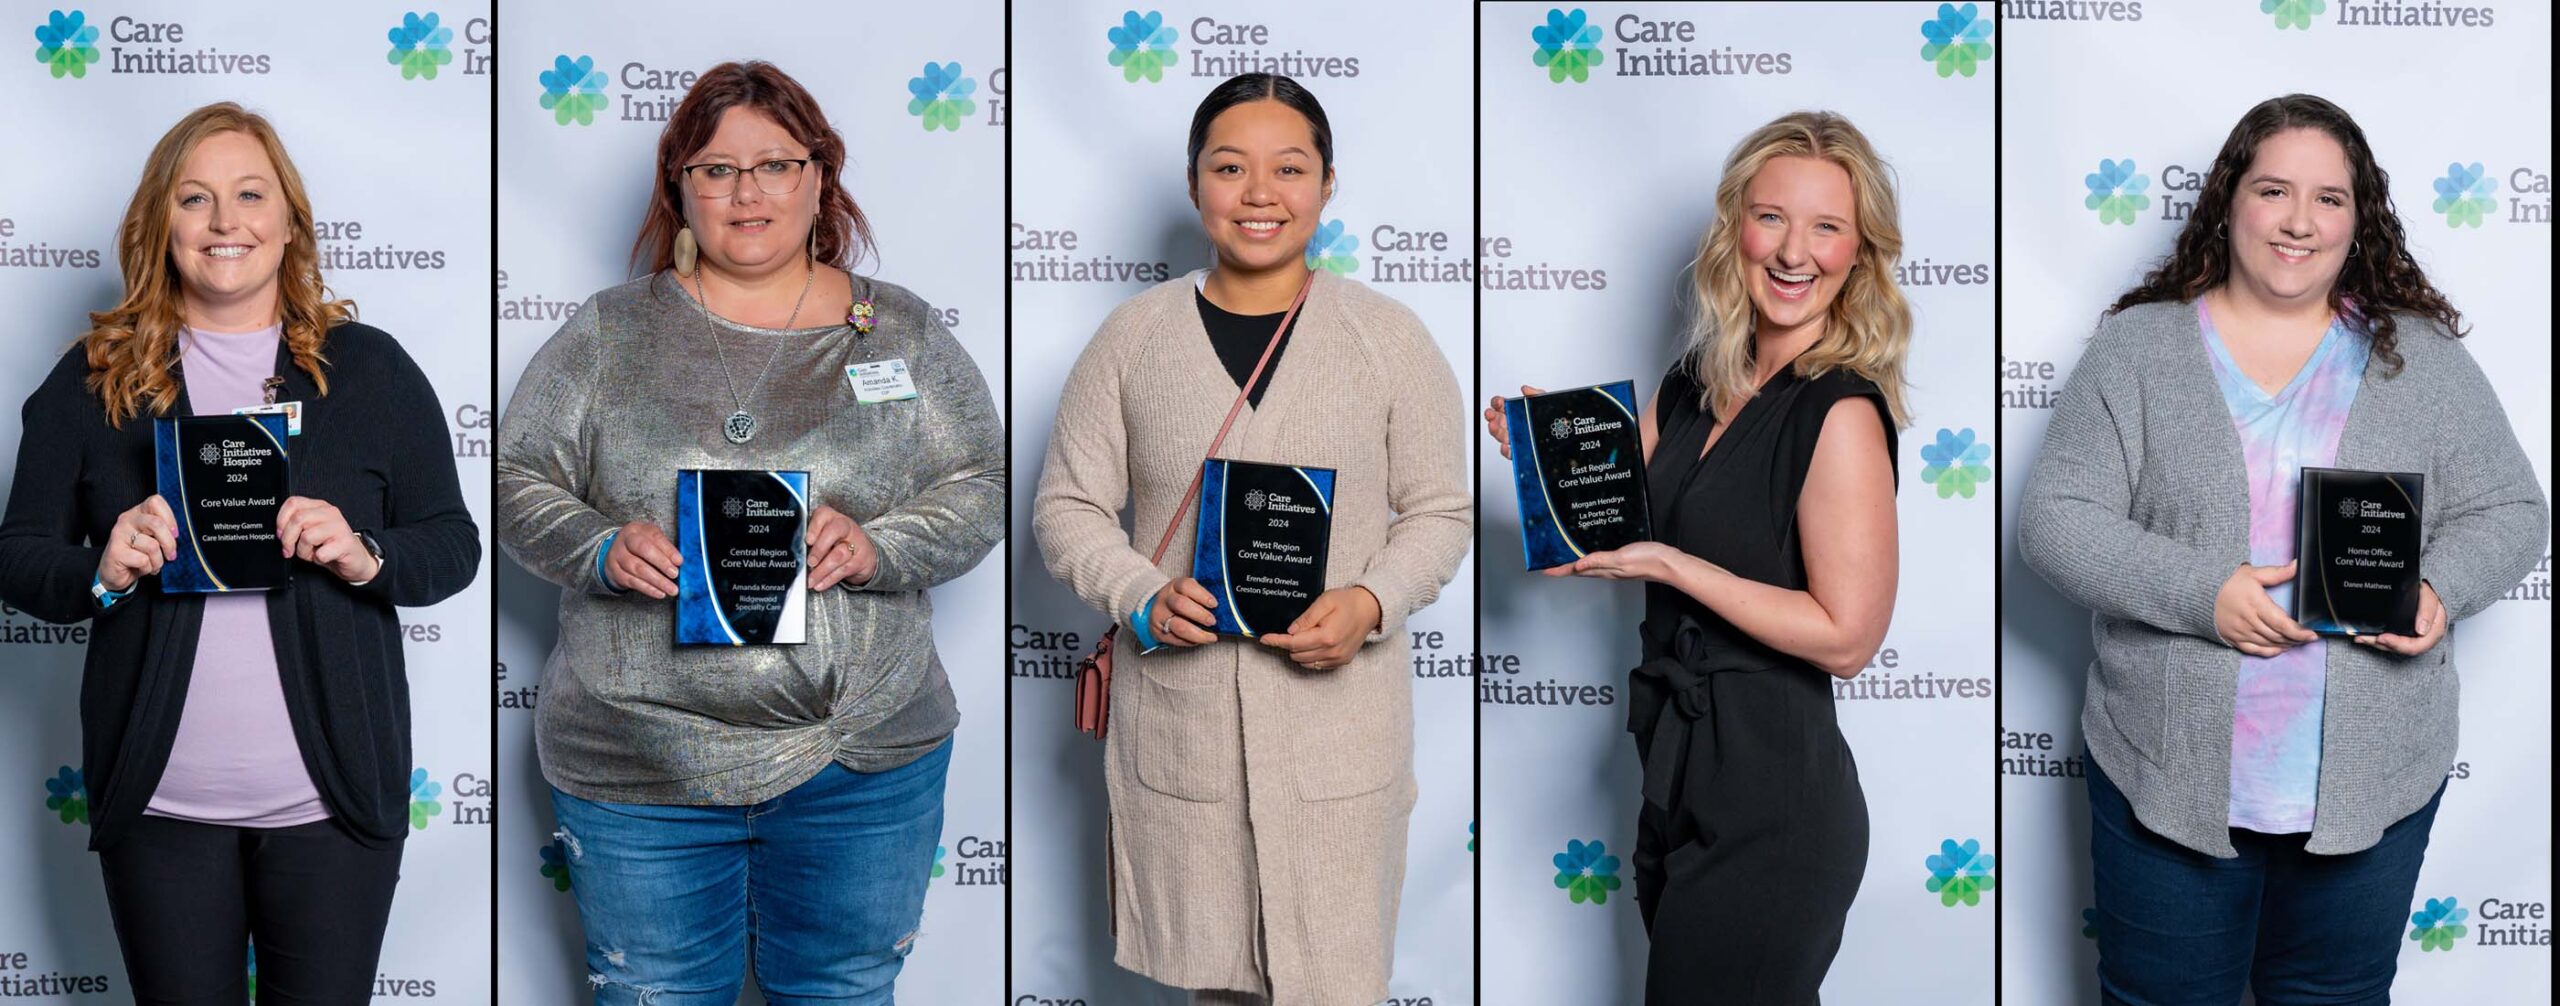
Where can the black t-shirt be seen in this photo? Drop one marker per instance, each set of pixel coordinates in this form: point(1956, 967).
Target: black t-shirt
point(1239, 339)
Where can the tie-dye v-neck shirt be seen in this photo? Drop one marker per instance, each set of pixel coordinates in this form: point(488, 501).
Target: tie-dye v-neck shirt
point(2275, 725)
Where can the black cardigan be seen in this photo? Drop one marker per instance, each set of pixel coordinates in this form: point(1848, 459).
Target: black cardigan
point(376, 448)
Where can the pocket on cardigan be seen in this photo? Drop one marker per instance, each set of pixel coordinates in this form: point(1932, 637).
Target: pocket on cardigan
point(2136, 699)
point(1187, 740)
point(1352, 729)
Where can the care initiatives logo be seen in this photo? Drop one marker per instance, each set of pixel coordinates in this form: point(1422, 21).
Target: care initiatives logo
point(2115, 191)
point(420, 46)
point(941, 96)
point(1143, 46)
point(63, 44)
point(66, 796)
point(1586, 872)
point(555, 864)
point(2292, 13)
point(2439, 925)
point(422, 798)
point(1956, 463)
point(1960, 872)
point(2462, 195)
point(1331, 248)
point(1568, 46)
point(573, 90)
point(1959, 39)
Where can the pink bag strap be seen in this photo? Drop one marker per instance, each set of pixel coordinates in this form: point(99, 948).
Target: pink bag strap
point(1242, 394)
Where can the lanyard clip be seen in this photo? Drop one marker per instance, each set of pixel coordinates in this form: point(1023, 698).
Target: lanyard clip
point(270, 385)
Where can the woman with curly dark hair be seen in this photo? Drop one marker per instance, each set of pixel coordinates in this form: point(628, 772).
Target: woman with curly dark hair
point(2260, 799)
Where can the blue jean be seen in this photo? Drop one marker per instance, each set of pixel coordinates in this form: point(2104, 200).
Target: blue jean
point(2178, 927)
point(826, 881)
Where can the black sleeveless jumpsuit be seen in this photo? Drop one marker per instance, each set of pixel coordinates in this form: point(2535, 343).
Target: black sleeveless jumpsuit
point(1753, 832)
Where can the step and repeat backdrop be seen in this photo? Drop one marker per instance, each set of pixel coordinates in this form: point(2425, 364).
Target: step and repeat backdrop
point(2121, 146)
point(1606, 128)
point(920, 99)
point(385, 109)
point(1100, 212)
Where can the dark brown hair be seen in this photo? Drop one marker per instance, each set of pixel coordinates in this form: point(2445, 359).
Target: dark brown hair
point(844, 236)
point(1249, 87)
point(2380, 278)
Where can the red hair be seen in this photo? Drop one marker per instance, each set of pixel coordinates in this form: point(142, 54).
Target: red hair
point(843, 235)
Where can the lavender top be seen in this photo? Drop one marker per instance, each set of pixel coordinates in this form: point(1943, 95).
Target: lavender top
point(2275, 726)
point(234, 761)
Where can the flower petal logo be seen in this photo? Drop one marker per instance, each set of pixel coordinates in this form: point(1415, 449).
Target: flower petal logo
point(1254, 500)
point(555, 864)
point(1471, 836)
point(1586, 871)
point(1960, 873)
point(573, 90)
point(1142, 46)
point(2462, 195)
point(418, 46)
point(941, 96)
point(66, 796)
point(938, 852)
point(2439, 925)
point(1568, 46)
point(63, 44)
point(210, 453)
point(1955, 463)
point(1331, 249)
point(2292, 13)
point(2115, 191)
point(253, 972)
point(1959, 39)
point(422, 798)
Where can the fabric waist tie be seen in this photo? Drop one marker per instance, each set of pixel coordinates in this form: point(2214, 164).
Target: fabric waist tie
point(1670, 697)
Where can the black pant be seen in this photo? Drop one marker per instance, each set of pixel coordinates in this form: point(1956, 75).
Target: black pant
point(189, 898)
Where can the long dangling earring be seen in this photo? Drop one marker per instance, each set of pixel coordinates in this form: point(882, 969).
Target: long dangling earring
point(685, 251)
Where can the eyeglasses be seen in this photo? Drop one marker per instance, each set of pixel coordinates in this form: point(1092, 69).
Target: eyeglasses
point(779, 177)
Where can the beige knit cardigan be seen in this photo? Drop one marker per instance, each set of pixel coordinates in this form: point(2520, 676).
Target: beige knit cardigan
point(1258, 810)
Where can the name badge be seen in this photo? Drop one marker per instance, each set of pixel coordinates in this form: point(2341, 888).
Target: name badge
point(291, 411)
point(880, 381)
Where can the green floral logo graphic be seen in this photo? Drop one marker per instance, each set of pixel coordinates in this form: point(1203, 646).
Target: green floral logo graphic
point(1471, 836)
point(63, 44)
point(1955, 463)
point(2115, 191)
point(422, 798)
point(938, 852)
point(555, 864)
point(573, 90)
point(65, 796)
point(1568, 46)
point(1959, 39)
point(1586, 871)
point(1142, 46)
point(1960, 873)
point(2292, 13)
point(418, 46)
point(941, 96)
point(2462, 195)
point(2439, 925)
point(1331, 248)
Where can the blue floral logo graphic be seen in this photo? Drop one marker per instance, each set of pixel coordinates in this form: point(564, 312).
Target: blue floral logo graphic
point(1568, 46)
point(1331, 248)
point(253, 972)
point(573, 90)
point(938, 853)
point(1959, 39)
point(1142, 46)
point(63, 44)
point(1586, 872)
point(555, 864)
point(1955, 463)
point(418, 46)
point(422, 798)
point(2439, 925)
point(66, 796)
point(1960, 873)
point(2462, 195)
point(942, 96)
point(2115, 191)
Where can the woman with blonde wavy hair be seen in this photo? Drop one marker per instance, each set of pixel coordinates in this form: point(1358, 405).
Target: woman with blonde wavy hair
point(246, 754)
point(1769, 456)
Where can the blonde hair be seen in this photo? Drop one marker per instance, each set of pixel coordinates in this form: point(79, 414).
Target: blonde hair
point(1870, 326)
point(133, 346)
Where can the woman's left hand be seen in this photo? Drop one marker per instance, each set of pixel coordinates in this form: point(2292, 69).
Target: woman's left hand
point(1644, 560)
point(315, 532)
point(838, 550)
point(1330, 631)
point(2431, 626)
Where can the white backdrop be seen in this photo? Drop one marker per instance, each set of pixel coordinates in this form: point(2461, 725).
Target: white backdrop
point(2492, 842)
point(397, 173)
point(570, 197)
point(1101, 160)
point(1596, 194)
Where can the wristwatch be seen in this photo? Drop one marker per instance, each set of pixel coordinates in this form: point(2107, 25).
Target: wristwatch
point(375, 548)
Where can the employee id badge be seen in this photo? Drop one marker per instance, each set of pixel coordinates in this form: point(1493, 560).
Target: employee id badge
point(880, 381)
point(291, 411)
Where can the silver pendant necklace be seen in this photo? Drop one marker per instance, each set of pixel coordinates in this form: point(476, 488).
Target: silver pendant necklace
point(740, 427)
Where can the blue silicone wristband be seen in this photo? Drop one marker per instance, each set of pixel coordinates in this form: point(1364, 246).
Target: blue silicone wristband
point(1138, 625)
point(602, 551)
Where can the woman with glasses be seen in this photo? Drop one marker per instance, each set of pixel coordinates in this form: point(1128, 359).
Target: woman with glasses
point(791, 795)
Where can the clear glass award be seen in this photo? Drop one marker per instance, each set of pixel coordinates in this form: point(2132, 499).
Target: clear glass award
point(2356, 537)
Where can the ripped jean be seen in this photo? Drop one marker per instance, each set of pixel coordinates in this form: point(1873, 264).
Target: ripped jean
point(826, 882)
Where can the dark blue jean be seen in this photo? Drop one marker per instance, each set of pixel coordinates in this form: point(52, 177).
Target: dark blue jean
point(827, 880)
point(2178, 927)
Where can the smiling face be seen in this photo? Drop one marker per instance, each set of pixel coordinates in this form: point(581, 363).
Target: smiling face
point(2293, 218)
point(747, 230)
point(1799, 237)
point(228, 227)
point(1259, 187)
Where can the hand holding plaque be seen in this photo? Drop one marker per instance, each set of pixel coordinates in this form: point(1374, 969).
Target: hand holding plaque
point(1577, 462)
point(2356, 539)
point(1261, 545)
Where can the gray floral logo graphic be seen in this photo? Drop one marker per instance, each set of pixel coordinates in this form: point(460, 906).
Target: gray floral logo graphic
point(731, 508)
point(209, 453)
point(1253, 500)
point(1560, 429)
